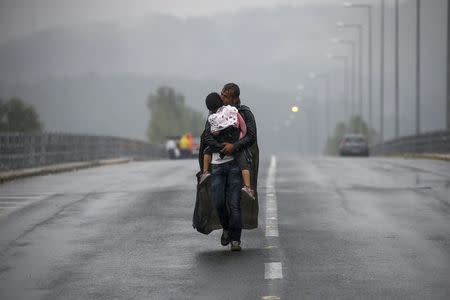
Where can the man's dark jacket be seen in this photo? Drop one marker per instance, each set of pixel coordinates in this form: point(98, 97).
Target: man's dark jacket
point(205, 217)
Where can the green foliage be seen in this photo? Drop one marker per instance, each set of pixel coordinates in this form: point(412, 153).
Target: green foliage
point(17, 116)
point(356, 125)
point(170, 116)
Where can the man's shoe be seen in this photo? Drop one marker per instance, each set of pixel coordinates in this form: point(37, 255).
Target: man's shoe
point(235, 246)
point(225, 238)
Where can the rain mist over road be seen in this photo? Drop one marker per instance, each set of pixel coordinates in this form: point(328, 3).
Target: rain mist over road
point(111, 216)
point(93, 72)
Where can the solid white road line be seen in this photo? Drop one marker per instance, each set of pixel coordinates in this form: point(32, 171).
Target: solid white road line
point(272, 270)
point(271, 201)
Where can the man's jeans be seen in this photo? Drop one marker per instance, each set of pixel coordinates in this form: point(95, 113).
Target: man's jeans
point(226, 184)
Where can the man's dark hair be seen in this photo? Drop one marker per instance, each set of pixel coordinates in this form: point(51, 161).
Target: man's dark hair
point(232, 89)
point(213, 102)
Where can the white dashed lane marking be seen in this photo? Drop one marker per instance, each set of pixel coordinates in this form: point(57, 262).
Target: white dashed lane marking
point(273, 270)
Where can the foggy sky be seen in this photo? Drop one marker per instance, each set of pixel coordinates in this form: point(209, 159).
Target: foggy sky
point(19, 17)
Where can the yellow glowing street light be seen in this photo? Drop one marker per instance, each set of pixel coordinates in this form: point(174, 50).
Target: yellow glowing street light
point(294, 108)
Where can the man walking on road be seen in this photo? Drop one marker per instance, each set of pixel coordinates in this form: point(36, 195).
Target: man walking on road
point(226, 178)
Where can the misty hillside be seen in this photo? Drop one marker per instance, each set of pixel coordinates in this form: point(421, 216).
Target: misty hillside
point(270, 47)
point(92, 78)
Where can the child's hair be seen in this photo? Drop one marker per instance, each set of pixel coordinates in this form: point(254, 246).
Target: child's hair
point(213, 102)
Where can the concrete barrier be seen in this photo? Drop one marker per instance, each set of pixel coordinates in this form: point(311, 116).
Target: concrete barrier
point(58, 168)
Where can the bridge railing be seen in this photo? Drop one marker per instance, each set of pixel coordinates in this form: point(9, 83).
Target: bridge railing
point(431, 142)
point(27, 150)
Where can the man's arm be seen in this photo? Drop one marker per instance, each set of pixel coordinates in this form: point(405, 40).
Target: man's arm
point(250, 137)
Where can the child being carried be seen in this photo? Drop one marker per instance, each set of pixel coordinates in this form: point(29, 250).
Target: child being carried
point(227, 126)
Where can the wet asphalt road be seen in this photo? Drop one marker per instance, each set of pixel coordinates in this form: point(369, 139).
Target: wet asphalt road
point(348, 228)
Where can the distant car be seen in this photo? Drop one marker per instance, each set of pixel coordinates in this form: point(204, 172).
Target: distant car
point(354, 144)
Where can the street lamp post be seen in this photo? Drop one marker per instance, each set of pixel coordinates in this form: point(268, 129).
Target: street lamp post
point(382, 72)
point(370, 58)
point(369, 11)
point(397, 123)
point(448, 66)
point(360, 66)
point(344, 59)
point(313, 120)
point(308, 108)
point(327, 103)
point(418, 68)
point(326, 78)
point(301, 109)
point(353, 75)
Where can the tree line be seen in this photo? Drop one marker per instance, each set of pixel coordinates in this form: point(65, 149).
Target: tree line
point(18, 116)
point(169, 116)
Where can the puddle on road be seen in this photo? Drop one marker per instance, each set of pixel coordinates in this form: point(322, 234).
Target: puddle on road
point(431, 181)
point(413, 181)
point(364, 188)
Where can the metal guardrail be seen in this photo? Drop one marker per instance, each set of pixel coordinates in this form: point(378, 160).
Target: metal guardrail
point(27, 150)
point(431, 142)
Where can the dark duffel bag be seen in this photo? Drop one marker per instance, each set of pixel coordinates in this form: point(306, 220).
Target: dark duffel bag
point(205, 218)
